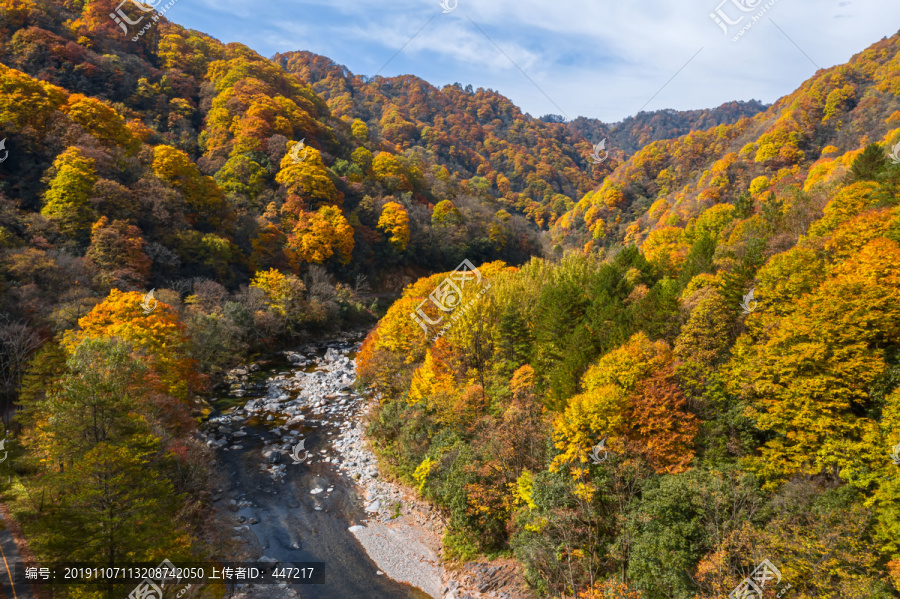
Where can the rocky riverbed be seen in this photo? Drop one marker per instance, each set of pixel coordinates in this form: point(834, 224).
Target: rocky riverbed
point(304, 487)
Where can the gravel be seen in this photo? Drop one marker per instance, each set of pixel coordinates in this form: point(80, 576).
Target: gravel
point(401, 552)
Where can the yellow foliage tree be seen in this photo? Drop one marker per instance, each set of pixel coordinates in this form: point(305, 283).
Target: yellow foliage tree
point(390, 172)
point(808, 376)
point(306, 182)
point(362, 158)
point(631, 399)
point(359, 130)
point(67, 200)
point(101, 121)
point(319, 235)
point(665, 248)
point(157, 335)
point(394, 221)
point(204, 199)
point(284, 294)
point(847, 203)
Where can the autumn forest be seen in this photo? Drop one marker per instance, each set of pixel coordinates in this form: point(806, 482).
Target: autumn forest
point(672, 364)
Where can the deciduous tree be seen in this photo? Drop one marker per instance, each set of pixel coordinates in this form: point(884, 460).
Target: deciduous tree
point(394, 221)
point(320, 235)
point(67, 199)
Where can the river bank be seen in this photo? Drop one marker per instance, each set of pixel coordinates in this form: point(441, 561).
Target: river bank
point(403, 535)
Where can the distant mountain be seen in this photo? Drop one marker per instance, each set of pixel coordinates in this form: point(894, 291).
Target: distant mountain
point(635, 132)
point(534, 166)
point(670, 182)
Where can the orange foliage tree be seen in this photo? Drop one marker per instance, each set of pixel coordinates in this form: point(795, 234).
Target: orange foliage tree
point(158, 337)
point(320, 235)
point(631, 398)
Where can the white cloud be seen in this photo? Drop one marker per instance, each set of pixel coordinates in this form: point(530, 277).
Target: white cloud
point(602, 59)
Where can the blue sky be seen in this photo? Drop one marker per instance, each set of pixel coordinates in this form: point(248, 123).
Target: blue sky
point(606, 59)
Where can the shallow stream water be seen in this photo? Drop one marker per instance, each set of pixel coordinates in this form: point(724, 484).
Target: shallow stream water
point(279, 519)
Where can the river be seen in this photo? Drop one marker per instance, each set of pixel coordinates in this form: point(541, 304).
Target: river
point(290, 512)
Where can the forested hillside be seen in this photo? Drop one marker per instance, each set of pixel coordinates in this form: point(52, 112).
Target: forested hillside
point(535, 167)
point(657, 193)
point(710, 380)
point(165, 160)
point(702, 372)
point(187, 140)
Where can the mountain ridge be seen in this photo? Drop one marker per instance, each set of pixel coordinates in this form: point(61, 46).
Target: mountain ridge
point(840, 107)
